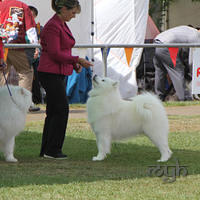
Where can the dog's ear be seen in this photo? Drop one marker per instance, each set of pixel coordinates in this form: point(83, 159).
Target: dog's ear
point(115, 84)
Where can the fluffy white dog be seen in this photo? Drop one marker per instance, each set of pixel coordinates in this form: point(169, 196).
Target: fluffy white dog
point(13, 111)
point(113, 118)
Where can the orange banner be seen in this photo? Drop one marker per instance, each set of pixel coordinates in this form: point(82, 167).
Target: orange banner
point(5, 54)
point(128, 52)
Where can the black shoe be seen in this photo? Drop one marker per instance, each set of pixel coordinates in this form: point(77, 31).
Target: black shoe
point(162, 97)
point(34, 108)
point(58, 156)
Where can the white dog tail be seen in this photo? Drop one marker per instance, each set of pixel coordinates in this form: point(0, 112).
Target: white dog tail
point(146, 104)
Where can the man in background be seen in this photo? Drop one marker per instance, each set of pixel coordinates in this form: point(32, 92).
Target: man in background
point(1, 55)
point(33, 57)
point(16, 21)
point(170, 61)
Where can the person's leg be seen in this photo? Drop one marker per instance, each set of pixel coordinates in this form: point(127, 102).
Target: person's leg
point(44, 136)
point(44, 79)
point(20, 62)
point(57, 114)
point(160, 75)
point(176, 73)
point(177, 77)
point(36, 92)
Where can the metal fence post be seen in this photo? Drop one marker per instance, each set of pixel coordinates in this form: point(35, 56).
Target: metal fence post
point(105, 49)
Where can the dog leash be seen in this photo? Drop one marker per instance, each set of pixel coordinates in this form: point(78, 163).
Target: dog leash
point(4, 65)
point(6, 81)
point(4, 75)
point(7, 85)
point(10, 93)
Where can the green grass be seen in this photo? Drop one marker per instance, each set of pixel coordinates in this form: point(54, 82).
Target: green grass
point(123, 175)
point(166, 104)
point(181, 103)
point(72, 106)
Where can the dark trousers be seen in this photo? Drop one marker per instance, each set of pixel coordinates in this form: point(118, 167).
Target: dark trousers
point(163, 66)
point(57, 110)
point(36, 93)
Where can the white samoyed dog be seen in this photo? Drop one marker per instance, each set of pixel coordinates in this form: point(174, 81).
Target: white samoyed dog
point(13, 111)
point(113, 118)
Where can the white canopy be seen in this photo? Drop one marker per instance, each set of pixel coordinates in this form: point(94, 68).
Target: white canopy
point(113, 22)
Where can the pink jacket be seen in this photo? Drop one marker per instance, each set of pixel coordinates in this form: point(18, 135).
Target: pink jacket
point(57, 42)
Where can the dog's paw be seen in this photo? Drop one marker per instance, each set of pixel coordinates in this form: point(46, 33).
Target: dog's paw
point(166, 157)
point(161, 160)
point(97, 158)
point(11, 159)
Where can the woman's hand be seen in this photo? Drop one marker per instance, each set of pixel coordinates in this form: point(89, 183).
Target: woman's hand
point(78, 68)
point(36, 54)
point(84, 63)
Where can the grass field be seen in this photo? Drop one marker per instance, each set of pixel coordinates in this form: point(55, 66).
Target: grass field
point(123, 175)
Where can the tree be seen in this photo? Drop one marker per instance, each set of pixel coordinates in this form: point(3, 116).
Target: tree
point(158, 9)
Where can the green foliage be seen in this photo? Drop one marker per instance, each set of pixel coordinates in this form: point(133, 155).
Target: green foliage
point(181, 103)
point(157, 6)
point(155, 10)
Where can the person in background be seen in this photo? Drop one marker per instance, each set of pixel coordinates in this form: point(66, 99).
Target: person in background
point(56, 61)
point(170, 61)
point(1, 55)
point(33, 57)
point(3, 65)
point(16, 21)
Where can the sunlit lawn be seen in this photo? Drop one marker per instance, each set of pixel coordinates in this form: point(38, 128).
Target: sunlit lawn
point(123, 175)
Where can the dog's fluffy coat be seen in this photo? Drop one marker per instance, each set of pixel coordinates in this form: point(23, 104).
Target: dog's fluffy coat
point(113, 118)
point(13, 117)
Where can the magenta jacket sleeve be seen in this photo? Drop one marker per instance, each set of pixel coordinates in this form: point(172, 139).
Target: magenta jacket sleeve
point(57, 42)
point(58, 46)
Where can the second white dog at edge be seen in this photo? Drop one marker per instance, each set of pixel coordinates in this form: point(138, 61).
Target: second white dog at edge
point(12, 118)
point(112, 118)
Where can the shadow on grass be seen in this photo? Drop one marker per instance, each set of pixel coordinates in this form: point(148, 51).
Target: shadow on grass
point(127, 161)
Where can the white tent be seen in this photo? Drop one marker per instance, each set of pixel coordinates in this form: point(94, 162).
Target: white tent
point(113, 22)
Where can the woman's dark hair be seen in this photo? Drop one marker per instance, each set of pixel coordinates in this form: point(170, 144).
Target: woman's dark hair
point(69, 4)
point(35, 10)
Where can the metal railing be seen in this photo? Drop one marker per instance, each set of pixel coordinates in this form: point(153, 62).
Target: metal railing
point(111, 45)
point(105, 47)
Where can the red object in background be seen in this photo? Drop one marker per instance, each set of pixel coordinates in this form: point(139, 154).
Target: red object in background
point(173, 54)
point(151, 30)
point(1, 49)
